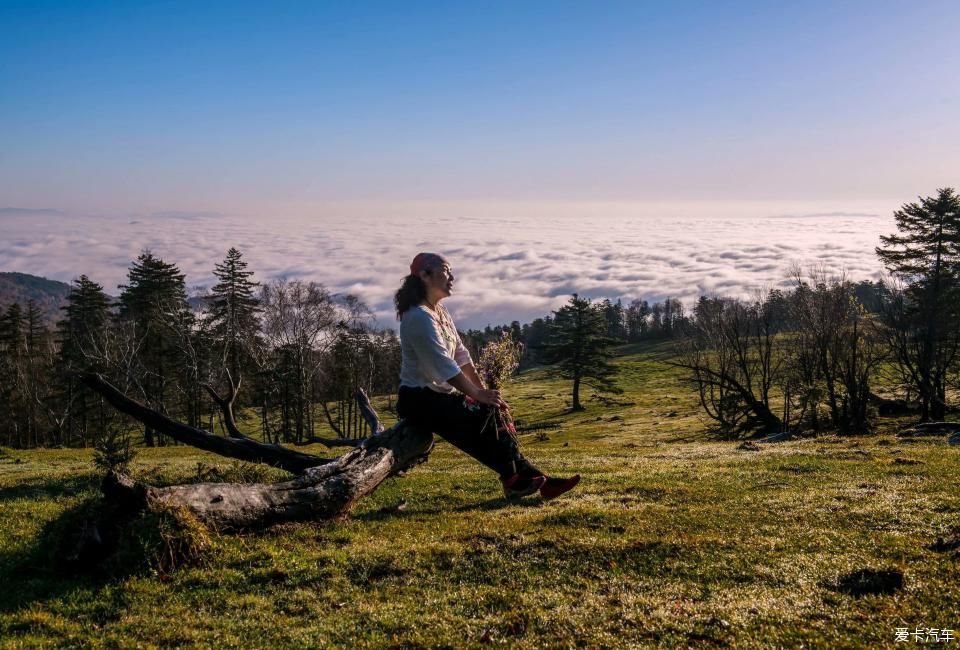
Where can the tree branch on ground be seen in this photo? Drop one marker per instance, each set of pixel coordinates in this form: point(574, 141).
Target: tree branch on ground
point(325, 488)
point(244, 448)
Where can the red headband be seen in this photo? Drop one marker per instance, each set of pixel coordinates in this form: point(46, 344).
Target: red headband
point(426, 262)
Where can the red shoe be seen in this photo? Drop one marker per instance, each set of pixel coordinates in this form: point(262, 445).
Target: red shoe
point(518, 486)
point(554, 487)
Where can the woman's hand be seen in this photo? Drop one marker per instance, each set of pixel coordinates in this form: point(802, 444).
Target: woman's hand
point(491, 397)
point(488, 396)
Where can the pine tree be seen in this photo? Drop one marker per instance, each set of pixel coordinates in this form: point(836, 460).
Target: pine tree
point(233, 311)
point(25, 370)
point(614, 315)
point(34, 329)
point(12, 355)
point(86, 315)
point(82, 332)
point(155, 288)
point(925, 255)
point(154, 302)
point(12, 340)
point(37, 370)
point(579, 345)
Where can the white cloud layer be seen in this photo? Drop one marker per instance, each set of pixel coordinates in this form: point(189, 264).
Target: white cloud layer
point(507, 268)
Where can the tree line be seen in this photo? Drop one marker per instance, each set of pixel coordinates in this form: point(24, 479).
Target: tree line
point(296, 352)
point(640, 320)
point(809, 357)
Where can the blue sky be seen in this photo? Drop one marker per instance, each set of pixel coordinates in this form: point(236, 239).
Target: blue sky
point(263, 107)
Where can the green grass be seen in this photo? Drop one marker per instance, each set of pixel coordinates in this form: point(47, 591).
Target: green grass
point(673, 539)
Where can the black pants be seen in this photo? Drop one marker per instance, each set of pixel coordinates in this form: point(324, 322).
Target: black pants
point(472, 428)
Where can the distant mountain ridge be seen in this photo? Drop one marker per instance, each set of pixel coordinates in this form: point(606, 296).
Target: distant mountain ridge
point(49, 295)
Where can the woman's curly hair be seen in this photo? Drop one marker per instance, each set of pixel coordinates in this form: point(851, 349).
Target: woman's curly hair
point(411, 293)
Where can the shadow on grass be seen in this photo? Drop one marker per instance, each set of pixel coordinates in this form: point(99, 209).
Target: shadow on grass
point(496, 503)
point(95, 543)
point(699, 436)
point(712, 433)
point(47, 488)
point(493, 558)
point(46, 569)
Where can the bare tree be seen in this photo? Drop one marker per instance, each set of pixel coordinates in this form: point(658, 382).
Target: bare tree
point(819, 310)
point(734, 361)
point(838, 348)
point(299, 322)
point(863, 350)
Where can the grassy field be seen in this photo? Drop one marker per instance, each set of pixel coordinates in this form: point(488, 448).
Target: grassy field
point(673, 539)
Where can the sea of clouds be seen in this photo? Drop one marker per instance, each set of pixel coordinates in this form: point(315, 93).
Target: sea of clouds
point(511, 262)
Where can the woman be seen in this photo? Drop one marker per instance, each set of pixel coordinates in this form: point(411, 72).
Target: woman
point(440, 388)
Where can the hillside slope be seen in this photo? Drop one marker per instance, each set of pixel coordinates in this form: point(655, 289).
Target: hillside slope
point(49, 295)
point(674, 539)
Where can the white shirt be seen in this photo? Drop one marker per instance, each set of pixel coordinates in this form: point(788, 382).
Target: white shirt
point(432, 352)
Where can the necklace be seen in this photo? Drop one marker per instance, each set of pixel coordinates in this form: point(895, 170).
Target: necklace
point(444, 324)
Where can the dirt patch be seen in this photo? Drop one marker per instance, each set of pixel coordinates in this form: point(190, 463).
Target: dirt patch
point(945, 545)
point(870, 582)
point(364, 570)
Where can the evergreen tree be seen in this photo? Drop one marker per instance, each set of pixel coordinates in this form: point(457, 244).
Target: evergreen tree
point(34, 330)
point(155, 289)
point(534, 336)
point(12, 340)
point(82, 333)
point(925, 255)
point(579, 345)
point(616, 319)
point(154, 302)
point(12, 355)
point(36, 375)
point(86, 315)
point(233, 311)
point(25, 370)
point(872, 295)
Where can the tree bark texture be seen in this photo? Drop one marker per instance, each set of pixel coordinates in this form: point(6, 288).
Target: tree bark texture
point(320, 493)
point(325, 488)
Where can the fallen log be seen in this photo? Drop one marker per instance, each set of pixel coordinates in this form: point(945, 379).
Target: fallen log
point(930, 429)
point(320, 493)
point(325, 488)
point(333, 442)
point(893, 407)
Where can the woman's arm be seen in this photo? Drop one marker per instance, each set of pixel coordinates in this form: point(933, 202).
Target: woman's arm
point(483, 395)
point(470, 371)
point(436, 363)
